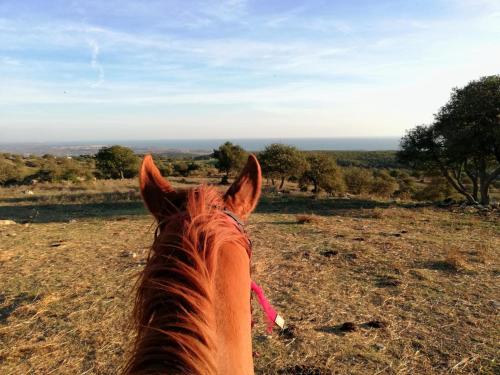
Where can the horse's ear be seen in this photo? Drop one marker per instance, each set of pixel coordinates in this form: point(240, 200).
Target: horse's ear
point(154, 187)
point(243, 195)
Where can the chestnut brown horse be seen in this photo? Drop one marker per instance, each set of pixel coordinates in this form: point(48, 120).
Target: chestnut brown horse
point(192, 309)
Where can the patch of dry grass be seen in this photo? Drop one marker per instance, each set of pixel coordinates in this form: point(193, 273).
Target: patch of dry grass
point(455, 261)
point(307, 219)
point(66, 287)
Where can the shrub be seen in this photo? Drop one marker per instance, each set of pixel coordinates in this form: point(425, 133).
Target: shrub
point(181, 168)
point(406, 188)
point(437, 189)
point(358, 180)
point(383, 185)
point(8, 172)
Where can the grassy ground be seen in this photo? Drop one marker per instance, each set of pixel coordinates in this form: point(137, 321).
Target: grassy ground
point(366, 287)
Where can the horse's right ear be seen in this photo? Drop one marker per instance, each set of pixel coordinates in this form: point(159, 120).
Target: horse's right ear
point(154, 188)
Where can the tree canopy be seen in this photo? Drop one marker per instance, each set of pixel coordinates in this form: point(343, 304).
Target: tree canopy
point(282, 161)
point(322, 171)
point(463, 143)
point(117, 162)
point(229, 158)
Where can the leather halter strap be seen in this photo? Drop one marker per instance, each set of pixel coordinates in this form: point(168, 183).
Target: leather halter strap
point(241, 227)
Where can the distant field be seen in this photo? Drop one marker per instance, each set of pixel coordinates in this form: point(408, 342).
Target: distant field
point(419, 285)
point(367, 159)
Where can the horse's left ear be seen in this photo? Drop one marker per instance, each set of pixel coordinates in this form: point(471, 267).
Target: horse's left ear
point(154, 188)
point(243, 195)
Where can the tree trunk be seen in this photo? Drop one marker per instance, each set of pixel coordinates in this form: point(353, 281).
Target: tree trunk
point(121, 174)
point(484, 185)
point(485, 194)
point(475, 184)
point(282, 183)
point(475, 189)
point(457, 187)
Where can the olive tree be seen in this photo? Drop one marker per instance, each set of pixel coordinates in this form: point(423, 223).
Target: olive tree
point(117, 162)
point(282, 161)
point(229, 158)
point(463, 143)
point(323, 172)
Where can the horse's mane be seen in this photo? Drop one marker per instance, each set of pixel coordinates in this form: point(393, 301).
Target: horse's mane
point(174, 306)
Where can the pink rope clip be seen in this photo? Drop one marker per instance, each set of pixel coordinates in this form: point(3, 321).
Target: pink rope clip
point(272, 316)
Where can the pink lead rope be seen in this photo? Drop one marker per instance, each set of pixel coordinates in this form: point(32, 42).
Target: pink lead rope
point(272, 316)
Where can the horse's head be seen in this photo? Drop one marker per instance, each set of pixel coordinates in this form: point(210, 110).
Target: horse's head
point(193, 300)
point(162, 199)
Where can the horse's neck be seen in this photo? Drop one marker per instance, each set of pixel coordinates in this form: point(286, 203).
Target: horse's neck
point(232, 311)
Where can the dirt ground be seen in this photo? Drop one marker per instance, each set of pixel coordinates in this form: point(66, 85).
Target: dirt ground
point(366, 287)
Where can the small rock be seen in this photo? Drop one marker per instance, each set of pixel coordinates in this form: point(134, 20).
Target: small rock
point(329, 253)
point(57, 243)
point(302, 370)
point(7, 222)
point(72, 221)
point(350, 256)
point(495, 304)
point(348, 327)
point(379, 346)
point(376, 324)
point(289, 332)
point(389, 282)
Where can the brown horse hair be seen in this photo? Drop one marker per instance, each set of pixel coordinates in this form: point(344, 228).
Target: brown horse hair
point(174, 311)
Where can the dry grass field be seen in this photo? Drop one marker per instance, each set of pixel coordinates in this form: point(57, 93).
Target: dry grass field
point(366, 287)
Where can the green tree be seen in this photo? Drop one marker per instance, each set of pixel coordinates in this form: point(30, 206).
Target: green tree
point(282, 161)
point(229, 158)
point(463, 143)
point(322, 171)
point(117, 162)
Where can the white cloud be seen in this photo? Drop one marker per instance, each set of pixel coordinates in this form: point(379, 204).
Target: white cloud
point(94, 63)
point(6, 60)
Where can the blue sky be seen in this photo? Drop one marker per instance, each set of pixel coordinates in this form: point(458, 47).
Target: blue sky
point(128, 70)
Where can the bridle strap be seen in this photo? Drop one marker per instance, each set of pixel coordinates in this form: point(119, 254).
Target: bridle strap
point(233, 216)
point(241, 227)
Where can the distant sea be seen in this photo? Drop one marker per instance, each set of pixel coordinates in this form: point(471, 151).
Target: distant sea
point(203, 146)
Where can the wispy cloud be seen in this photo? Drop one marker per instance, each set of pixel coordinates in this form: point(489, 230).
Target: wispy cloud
point(94, 62)
point(9, 61)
